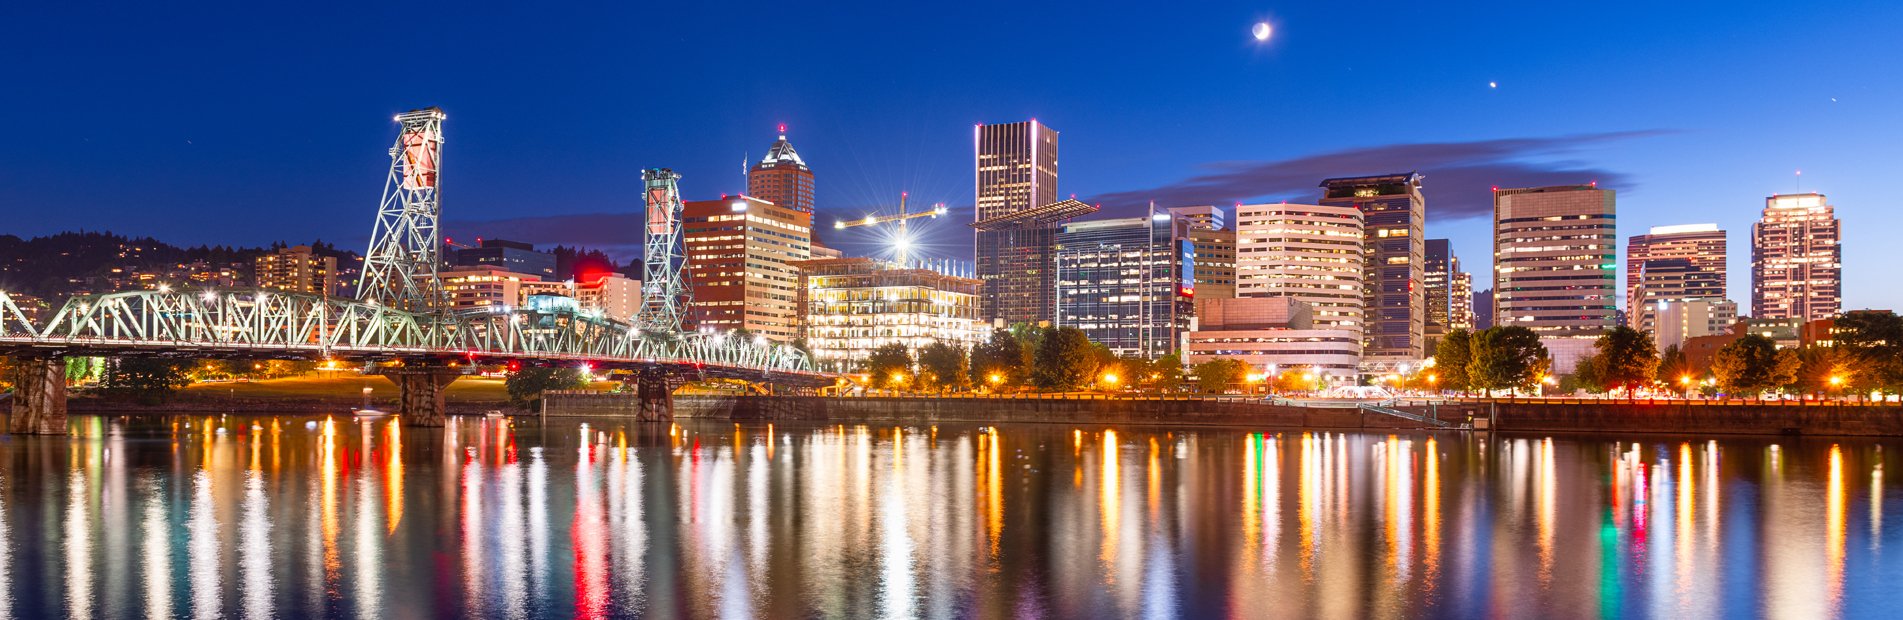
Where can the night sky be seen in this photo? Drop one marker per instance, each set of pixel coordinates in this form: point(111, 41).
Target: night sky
point(245, 124)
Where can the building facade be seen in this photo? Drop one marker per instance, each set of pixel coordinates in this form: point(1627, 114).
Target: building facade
point(485, 287)
point(296, 269)
point(1215, 268)
point(1460, 311)
point(738, 250)
point(1796, 259)
point(1664, 281)
point(782, 178)
point(1701, 244)
point(1676, 323)
point(1014, 172)
point(1127, 283)
point(1274, 335)
point(854, 305)
point(1556, 260)
point(1437, 281)
point(1016, 262)
point(1394, 211)
point(1201, 218)
point(1312, 253)
point(510, 256)
point(610, 295)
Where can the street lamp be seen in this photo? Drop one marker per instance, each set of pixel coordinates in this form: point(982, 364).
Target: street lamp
point(1111, 380)
point(1687, 382)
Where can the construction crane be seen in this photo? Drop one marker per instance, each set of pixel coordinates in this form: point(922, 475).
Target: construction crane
point(904, 242)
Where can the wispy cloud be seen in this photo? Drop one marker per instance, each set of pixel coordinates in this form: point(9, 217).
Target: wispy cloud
point(1460, 175)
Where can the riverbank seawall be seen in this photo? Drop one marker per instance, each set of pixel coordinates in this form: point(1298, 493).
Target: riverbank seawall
point(1741, 417)
point(926, 410)
point(1586, 415)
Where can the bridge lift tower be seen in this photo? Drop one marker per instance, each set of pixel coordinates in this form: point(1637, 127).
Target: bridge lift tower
point(664, 292)
point(400, 268)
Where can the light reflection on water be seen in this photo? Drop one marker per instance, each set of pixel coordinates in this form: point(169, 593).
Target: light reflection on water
point(248, 516)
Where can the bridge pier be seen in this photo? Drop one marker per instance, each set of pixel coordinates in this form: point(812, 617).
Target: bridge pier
point(422, 392)
point(656, 393)
point(39, 396)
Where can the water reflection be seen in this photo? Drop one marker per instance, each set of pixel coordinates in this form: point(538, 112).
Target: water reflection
point(258, 516)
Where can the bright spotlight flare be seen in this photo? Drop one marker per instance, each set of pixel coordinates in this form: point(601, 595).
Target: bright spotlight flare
point(1261, 31)
point(904, 242)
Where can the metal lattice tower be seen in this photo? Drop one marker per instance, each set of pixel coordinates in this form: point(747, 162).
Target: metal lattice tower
point(400, 268)
point(664, 291)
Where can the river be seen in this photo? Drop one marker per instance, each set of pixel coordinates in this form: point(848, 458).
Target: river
point(313, 517)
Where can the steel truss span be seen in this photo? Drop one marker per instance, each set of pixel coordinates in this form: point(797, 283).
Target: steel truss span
point(254, 323)
point(400, 314)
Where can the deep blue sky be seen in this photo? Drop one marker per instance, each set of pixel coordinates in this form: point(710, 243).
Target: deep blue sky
point(257, 122)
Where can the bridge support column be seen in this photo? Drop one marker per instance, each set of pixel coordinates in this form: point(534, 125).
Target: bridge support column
point(422, 393)
point(656, 393)
point(39, 396)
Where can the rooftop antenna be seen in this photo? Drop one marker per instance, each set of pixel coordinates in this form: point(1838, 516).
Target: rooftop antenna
point(1800, 181)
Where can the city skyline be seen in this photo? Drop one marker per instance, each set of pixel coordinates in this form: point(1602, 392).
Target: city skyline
point(95, 158)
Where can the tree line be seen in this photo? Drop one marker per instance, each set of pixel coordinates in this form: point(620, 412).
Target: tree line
point(1863, 355)
point(1496, 358)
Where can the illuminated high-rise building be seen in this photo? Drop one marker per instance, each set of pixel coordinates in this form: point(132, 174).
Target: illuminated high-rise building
point(1394, 211)
point(1460, 311)
point(1127, 283)
point(1309, 252)
point(738, 250)
point(1702, 246)
point(1015, 172)
point(782, 178)
point(1796, 259)
point(1556, 261)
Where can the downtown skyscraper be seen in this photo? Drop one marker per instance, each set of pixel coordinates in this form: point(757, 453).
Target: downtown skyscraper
point(1683, 262)
point(1394, 212)
point(1796, 259)
point(1015, 173)
point(1556, 260)
point(782, 178)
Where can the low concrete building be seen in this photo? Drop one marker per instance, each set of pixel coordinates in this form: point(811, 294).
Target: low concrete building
point(484, 287)
point(1676, 322)
point(1272, 334)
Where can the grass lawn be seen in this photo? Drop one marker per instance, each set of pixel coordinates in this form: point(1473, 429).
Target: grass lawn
point(339, 384)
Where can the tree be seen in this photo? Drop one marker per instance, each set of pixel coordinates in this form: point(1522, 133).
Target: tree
point(998, 361)
point(1166, 373)
point(890, 366)
point(1675, 369)
point(1451, 359)
point(943, 367)
point(1873, 341)
point(80, 370)
point(1507, 358)
point(1589, 374)
point(1627, 358)
point(1217, 375)
point(150, 379)
point(1066, 360)
point(525, 386)
point(1823, 370)
point(1752, 364)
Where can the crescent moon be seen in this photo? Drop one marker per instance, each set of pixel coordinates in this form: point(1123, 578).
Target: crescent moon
point(1261, 31)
